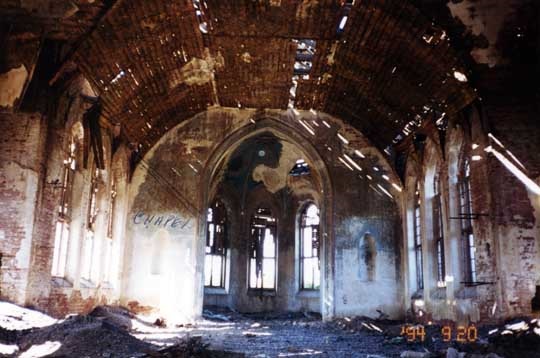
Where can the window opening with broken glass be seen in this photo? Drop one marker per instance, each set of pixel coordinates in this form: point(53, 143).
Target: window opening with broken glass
point(418, 238)
point(438, 230)
point(89, 241)
point(467, 235)
point(310, 276)
point(215, 265)
point(262, 251)
point(61, 236)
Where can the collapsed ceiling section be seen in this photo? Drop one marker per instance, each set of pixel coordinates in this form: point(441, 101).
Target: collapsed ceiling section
point(380, 65)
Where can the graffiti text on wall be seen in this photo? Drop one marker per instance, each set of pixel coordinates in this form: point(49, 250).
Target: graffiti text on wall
point(163, 221)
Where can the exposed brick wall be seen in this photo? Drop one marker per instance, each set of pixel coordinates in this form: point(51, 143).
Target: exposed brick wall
point(32, 150)
point(21, 156)
point(39, 281)
point(64, 301)
point(512, 114)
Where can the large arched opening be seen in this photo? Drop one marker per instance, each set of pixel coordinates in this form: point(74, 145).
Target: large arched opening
point(267, 167)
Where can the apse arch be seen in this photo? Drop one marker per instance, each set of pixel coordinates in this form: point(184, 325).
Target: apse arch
point(219, 155)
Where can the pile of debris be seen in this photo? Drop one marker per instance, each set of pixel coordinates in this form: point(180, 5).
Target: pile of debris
point(518, 338)
point(105, 332)
point(85, 336)
point(75, 336)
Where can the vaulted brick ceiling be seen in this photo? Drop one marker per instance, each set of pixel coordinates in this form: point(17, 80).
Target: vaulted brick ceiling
point(153, 67)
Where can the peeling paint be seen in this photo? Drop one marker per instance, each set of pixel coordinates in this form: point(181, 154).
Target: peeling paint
point(197, 71)
point(484, 18)
point(11, 85)
point(275, 179)
point(304, 10)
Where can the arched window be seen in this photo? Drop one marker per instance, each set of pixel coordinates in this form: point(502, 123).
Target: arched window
point(89, 241)
point(262, 251)
point(61, 236)
point(466, 215)
point(438, 229)
point(310, 271)
point(418, 238)
point(110, 228)
point(216, 246)
point(112, 208)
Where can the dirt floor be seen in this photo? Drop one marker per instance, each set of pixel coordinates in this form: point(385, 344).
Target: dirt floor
point(116, 332)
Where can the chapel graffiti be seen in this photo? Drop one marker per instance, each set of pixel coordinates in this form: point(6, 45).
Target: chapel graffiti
point(161, 221)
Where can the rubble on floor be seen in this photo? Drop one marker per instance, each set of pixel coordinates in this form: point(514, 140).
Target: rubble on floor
point(117, 332)
point(77, 336)
point(517, 338)
point(514, 338)
point(193, 347)
point(105, 332)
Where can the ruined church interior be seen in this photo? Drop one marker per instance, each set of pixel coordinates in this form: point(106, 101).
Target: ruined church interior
point(270, 178)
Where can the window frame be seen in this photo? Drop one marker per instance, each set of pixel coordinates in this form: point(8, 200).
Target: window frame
point(92, 211)
point(62, 227)
point(107, 263)
point(438, 230)
point(252, 254)
point(214, 250)
point(417, 237)
point(91, 216)
point(315, 234)
point(468, 245)
point(112, 209)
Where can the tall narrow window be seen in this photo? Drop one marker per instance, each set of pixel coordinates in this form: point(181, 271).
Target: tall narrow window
point(467, 235)
point(92, 205)
point(112, 208)
point(310, 274)
point(61, 235)
point(262, 253)
point(438, 230)
point(110, 227)
point(418, 238)
point(215, 265)
point(88, 249)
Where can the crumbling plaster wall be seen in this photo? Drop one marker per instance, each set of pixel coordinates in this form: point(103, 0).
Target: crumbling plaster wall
point(535, 200)
point(361, 210)
point(514, 213)
point(505, 223)
point(166, 187)
point(488, 20)
point(21, 158)
point(506, 76)
point(455, 300)
point(161, 267)
point(17, 62)
point(33, 154)
point(68, 294)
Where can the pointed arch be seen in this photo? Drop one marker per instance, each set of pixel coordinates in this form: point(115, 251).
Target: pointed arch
point(284, 131)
